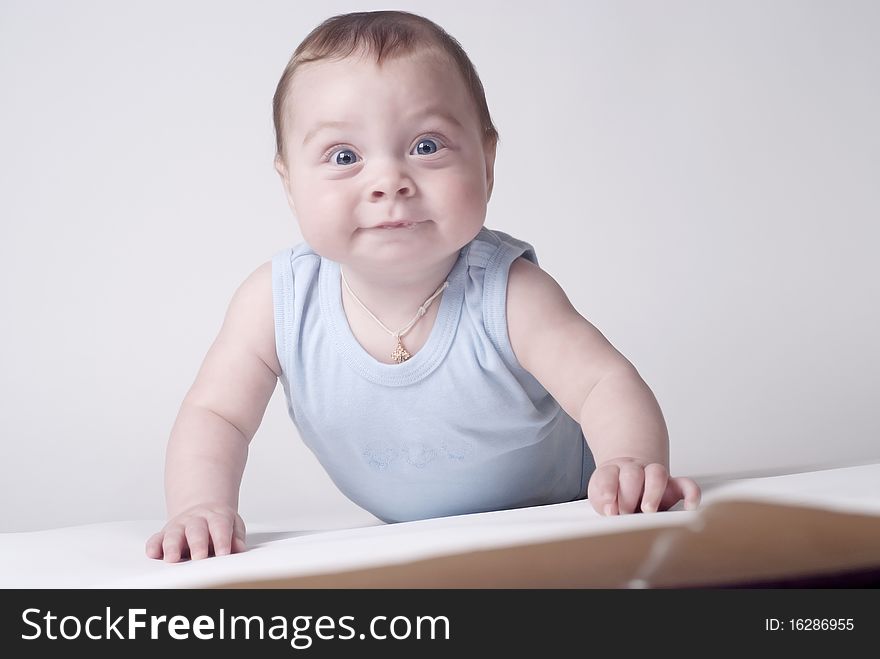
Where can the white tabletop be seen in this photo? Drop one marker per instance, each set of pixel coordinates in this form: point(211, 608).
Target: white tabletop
point(111, 555)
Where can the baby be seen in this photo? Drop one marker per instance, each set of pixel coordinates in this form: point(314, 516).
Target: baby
point(428, 362)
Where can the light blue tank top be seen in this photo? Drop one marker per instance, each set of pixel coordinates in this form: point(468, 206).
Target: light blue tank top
point(458, 428)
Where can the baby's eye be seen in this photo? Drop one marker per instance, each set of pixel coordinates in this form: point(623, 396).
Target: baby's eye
point(343, 157)
point(427, 147)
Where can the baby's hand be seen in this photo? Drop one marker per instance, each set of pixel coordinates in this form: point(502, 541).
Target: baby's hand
point(622, 486)
point(199, 532)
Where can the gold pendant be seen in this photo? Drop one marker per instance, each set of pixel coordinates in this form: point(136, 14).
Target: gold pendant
point(400, 354)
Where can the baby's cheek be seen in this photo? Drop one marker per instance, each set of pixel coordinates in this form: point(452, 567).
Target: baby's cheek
point(324, 219)
point(467, 195)
point(324, 238)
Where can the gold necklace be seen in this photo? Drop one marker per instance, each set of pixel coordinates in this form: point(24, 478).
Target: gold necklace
point(400, 353)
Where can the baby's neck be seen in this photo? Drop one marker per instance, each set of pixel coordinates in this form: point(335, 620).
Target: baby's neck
point(395, 297)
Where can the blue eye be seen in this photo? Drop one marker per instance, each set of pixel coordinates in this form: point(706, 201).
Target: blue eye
point(426, 147)
point(344, 157)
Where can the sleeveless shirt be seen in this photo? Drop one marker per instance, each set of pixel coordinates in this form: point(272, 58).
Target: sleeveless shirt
point(460, 427)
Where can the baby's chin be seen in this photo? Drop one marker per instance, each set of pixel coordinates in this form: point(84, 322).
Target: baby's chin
point(411, 245)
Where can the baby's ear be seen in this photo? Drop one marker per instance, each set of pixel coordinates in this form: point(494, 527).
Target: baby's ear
point(281, 168)
point(489, 152)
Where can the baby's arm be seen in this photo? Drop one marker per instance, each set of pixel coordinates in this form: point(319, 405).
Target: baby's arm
point(219, 416)
point(598, 386)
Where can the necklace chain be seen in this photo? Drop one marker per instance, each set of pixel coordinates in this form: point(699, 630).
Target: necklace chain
point(400, 354)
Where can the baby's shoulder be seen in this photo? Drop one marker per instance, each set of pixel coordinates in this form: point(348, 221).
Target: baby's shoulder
point(494, 250)
point(250, 319)
point(528, 285)
point(296, 263)
point(535, 305)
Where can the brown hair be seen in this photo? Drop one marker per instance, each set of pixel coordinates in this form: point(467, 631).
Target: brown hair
point(385, 34)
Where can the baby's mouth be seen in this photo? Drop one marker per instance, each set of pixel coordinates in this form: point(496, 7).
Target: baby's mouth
point(404, 224)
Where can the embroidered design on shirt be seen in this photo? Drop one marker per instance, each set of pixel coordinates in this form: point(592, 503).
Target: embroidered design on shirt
point(419, 454)
point(380, 453)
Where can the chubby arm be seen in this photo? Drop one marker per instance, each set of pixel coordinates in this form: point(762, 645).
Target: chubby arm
point(599, 387)
point(218, 417)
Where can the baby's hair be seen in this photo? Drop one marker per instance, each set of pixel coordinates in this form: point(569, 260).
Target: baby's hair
point(385, 34)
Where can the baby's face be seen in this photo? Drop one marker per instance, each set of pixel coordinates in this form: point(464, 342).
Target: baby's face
point(369, 145)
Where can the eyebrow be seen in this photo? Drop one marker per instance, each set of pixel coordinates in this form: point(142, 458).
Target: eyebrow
point(430, 113)
point(322, 126)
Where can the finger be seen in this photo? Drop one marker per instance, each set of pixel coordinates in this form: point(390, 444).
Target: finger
point(631, 483)
point(655, 485)
point(154, 545)
point(678, 489)
point(690, 492)
point(220, 528)
point(197, 538)
point(173, 544)
point(239, 536)
point(602, 490)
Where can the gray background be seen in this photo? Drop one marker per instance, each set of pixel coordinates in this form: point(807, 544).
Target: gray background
point(700, 177)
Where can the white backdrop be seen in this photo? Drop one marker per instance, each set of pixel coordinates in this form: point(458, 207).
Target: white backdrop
point(702, 178)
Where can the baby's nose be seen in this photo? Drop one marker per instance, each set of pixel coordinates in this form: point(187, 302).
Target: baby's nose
point(402, 191)
point(391, 180)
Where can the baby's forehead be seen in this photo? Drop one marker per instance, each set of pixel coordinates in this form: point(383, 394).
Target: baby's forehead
point(424, 73)
point(428, 60)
